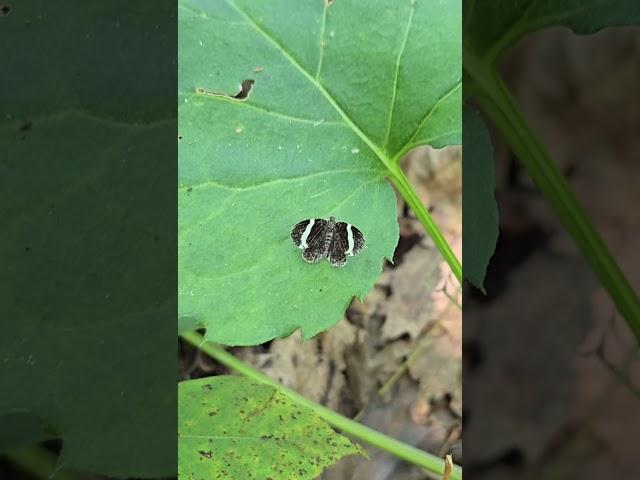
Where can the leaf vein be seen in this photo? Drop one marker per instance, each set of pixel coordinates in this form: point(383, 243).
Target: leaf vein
point(239, 188)
point(397, 73)
point(261, 108)
point(428, 141)
point(426, 117)
point(355, 192)
point(203, 14)
point(322, 33)
point(182, 231)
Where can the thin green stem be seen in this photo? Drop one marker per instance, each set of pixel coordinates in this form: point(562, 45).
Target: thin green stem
point(411, 197)
point(424, 343)
point(413, 356)
point(401, 450)
point(388, 385)
point(498, 103)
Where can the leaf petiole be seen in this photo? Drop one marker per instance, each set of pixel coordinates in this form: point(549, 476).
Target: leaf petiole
point(407, 191)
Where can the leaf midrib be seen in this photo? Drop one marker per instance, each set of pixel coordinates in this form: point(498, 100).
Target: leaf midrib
point(221, 207)
point(261, 108)
point(239, 188)
point(397, 73)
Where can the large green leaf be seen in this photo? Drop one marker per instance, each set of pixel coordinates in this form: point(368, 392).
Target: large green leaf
point(341, 92)
point(492, 26)
point(231, 427)
point(86, 199)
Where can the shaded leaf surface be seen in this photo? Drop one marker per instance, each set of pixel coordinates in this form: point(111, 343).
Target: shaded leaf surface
point(229, 426)
point(340, 93)
point(480, 211)
point(87, 307)
point(72, 355)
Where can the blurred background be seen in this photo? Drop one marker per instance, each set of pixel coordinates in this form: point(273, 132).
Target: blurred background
point(551, 372)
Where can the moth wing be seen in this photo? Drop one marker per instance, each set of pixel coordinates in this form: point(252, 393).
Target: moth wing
point(339, 246)
point(298, 231)
point(312, 256)
point(353, 239)
point(317, 234)
point(314, 250)
point(358, 241)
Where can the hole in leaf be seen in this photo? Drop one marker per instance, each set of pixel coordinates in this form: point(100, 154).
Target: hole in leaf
point(245, 89)
point(328, 2)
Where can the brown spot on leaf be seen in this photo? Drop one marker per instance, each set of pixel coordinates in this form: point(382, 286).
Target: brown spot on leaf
point(205, 453)
point(5, 10)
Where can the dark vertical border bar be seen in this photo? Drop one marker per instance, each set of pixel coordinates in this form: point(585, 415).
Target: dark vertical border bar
point(551, 385)
point(88, 215)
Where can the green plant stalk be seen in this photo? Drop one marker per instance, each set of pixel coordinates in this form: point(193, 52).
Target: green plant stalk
point(39, 462)
point(409, 194)
point(498, 103)
point(388, 385)
point(401, 450)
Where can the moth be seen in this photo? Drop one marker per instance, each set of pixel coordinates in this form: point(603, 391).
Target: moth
point(320, 238)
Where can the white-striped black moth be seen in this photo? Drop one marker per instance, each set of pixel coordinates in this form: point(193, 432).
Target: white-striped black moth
point(320, 238)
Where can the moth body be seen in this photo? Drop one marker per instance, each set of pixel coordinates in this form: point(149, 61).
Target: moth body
point(330, 239)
